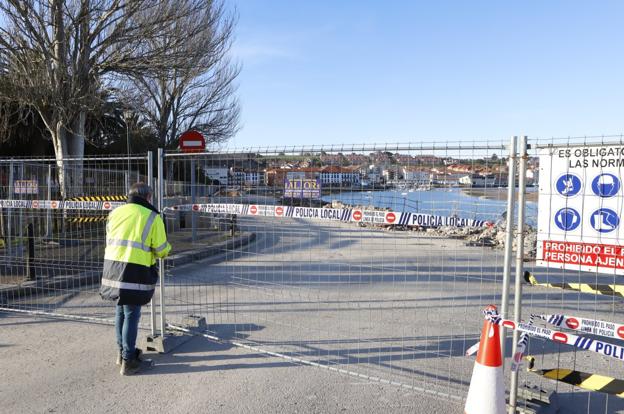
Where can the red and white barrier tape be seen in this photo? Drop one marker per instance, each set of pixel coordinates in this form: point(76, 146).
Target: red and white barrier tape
point(334, 214)
point(590, 326)
point(60, 204)
point(330, 214)
point(581, 342)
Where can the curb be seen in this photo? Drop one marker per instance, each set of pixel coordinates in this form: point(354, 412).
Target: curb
point(214, 250)
point(90, 278)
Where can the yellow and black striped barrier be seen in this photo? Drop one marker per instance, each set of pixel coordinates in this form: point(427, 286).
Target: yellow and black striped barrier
point(91, 219)
point(591, 382)
point(609, 290)
point(100, 198)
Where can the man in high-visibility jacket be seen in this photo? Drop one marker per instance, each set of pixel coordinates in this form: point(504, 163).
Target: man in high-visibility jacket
point(135, 238)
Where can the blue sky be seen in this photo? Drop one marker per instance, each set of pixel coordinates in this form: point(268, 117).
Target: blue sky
point(319, 72)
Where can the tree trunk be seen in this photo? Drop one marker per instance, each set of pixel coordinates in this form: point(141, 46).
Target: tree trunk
point(76, 150)
point(59, 140)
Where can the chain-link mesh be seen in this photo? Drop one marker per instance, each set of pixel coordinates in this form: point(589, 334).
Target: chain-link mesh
point(375, 261)
point(52, 231)
point(579, 294)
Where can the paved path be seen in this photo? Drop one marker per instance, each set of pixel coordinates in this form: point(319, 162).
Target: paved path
point(396, 305)
point(52, 366)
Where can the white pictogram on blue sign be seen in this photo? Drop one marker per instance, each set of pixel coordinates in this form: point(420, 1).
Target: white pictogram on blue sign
point(568, 185)
point(604, 220)
point(606, 185)
point(567, 219)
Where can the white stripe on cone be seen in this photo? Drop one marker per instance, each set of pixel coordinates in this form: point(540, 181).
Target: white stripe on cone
point(487, 391)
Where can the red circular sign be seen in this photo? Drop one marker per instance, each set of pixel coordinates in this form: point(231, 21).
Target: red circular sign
point(357, 215)
point(195, 207)
point(54, 204)
point(107, 205)
point(390, 217)
point(509, 324)
point(279, 211)
point(192, 141)
point(35, 204)
point(560, 337)
point(253, 209)
point(620, 332)
point(572, 323)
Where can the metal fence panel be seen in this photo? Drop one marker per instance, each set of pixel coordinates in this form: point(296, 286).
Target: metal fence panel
point(577, 293)
point(382, 275)
point(52, 231)
point(373, 261)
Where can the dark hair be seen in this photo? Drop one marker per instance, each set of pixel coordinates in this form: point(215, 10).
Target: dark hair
point(140, 189)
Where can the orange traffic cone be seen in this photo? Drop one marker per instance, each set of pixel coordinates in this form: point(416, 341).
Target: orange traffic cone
point(487, 390)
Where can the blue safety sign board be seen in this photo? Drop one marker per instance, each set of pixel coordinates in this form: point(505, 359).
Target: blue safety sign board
point(604, 220)
point(567, 219)
point(581, 208)
point(569, 185)
point(606, 185)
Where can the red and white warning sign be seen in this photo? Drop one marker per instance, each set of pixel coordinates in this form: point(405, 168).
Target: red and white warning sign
point(279, 211)
point(580, 209)
point(357, 215)
point(572, 323)
point(107, 205)
point(253, 210)
point(192, 141)
point(390, 218)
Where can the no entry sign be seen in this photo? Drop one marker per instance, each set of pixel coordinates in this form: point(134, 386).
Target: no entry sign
point(192, 141)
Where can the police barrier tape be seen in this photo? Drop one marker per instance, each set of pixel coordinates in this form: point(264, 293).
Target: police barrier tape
point(581, 342)
point(345, 214)
point(592, 382)
point(334, 214)
point(60, 204)
point(609, 290)
point(516, 361)
point(517, 358)
point(591, 326)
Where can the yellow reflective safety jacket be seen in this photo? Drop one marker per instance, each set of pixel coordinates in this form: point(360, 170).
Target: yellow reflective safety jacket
point(135, 238)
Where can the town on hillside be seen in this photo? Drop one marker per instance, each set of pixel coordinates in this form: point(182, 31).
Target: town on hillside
point(377, 170)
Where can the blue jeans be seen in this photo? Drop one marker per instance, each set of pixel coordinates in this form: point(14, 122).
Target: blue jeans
point(127, 327)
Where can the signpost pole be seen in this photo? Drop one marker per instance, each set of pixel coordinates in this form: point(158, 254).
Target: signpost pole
point(193, 201)
point(513, 388)
point(9, 242)
point(511, 204)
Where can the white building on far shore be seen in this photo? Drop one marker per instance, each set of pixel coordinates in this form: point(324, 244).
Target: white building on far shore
point(478, 180)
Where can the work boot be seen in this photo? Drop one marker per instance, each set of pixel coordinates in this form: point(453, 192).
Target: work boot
point(135, 365)
point(139, 354)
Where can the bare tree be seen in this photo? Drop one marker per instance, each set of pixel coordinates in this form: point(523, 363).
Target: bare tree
point(198, 92)
point(56, 55)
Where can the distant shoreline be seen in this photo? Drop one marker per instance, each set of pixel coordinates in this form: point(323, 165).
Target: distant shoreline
point(498, 194)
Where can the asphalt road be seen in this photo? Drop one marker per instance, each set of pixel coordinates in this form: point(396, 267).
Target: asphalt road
point(391, 306)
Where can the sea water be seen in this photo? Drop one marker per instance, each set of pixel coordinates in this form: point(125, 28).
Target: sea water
point(438, 201)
